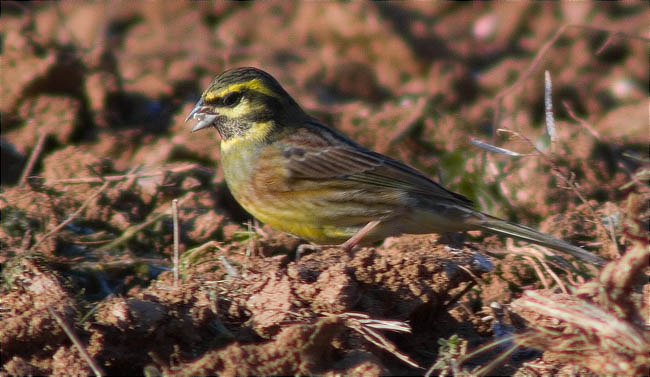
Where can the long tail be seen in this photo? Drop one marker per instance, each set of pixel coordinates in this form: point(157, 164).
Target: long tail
point(496, 225)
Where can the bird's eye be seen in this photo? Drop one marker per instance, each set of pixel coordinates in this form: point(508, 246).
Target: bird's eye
point(231, 99)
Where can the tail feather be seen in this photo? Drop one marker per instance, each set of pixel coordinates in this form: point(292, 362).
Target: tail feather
point(496, 225)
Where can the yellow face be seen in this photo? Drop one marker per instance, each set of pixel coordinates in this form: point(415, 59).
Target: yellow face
point(243, 103)
point(240, 100)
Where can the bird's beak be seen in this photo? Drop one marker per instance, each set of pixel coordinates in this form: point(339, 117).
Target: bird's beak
point(203, 114)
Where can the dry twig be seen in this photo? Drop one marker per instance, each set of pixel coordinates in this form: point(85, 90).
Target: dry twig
point(72, 216)
point(112, 178)
point(568, 181)
point(131, 231)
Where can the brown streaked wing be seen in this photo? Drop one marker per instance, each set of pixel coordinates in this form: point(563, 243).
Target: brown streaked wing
point(345, 160)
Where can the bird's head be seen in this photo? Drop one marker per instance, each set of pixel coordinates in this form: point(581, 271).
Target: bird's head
point(241, 100)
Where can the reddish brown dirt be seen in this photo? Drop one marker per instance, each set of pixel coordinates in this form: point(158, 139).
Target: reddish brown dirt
point(105, 87)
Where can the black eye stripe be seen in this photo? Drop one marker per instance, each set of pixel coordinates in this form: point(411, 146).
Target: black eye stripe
point(231, 99)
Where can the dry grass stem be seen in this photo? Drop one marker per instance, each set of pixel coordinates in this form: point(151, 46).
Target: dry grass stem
point(599, 327)
point(176, 239)
point(230, 270)
point(498, 99)
point(495, 149)
point(72, 216)
point(365, 326)
point(122, 177)
point(33, 157)
point(586, 125)
point(548, 105)
point(77, 342)
point(568, 181)
point(133, 230)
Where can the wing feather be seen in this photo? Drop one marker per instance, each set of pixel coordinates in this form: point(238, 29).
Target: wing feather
point(333, 156)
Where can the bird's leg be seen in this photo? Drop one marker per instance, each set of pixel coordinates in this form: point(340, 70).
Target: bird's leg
point(347, 245)
point(354, 240)
point(455, 240)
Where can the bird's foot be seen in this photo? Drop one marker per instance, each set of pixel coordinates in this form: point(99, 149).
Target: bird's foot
point(307, 248)
point(455, 241)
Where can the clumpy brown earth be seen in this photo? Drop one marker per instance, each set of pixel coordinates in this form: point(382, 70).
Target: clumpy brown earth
point(94, 150)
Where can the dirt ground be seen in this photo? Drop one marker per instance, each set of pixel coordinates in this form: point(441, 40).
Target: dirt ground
point(95, 148)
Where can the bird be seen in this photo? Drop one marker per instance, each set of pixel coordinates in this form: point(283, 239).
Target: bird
point(300, 176)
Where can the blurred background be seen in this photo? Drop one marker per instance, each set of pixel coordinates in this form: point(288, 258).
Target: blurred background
point(100, 89)
point(94, 146)
point(415, 80)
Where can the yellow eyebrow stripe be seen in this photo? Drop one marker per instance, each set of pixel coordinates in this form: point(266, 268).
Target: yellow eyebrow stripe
point(255, 84)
